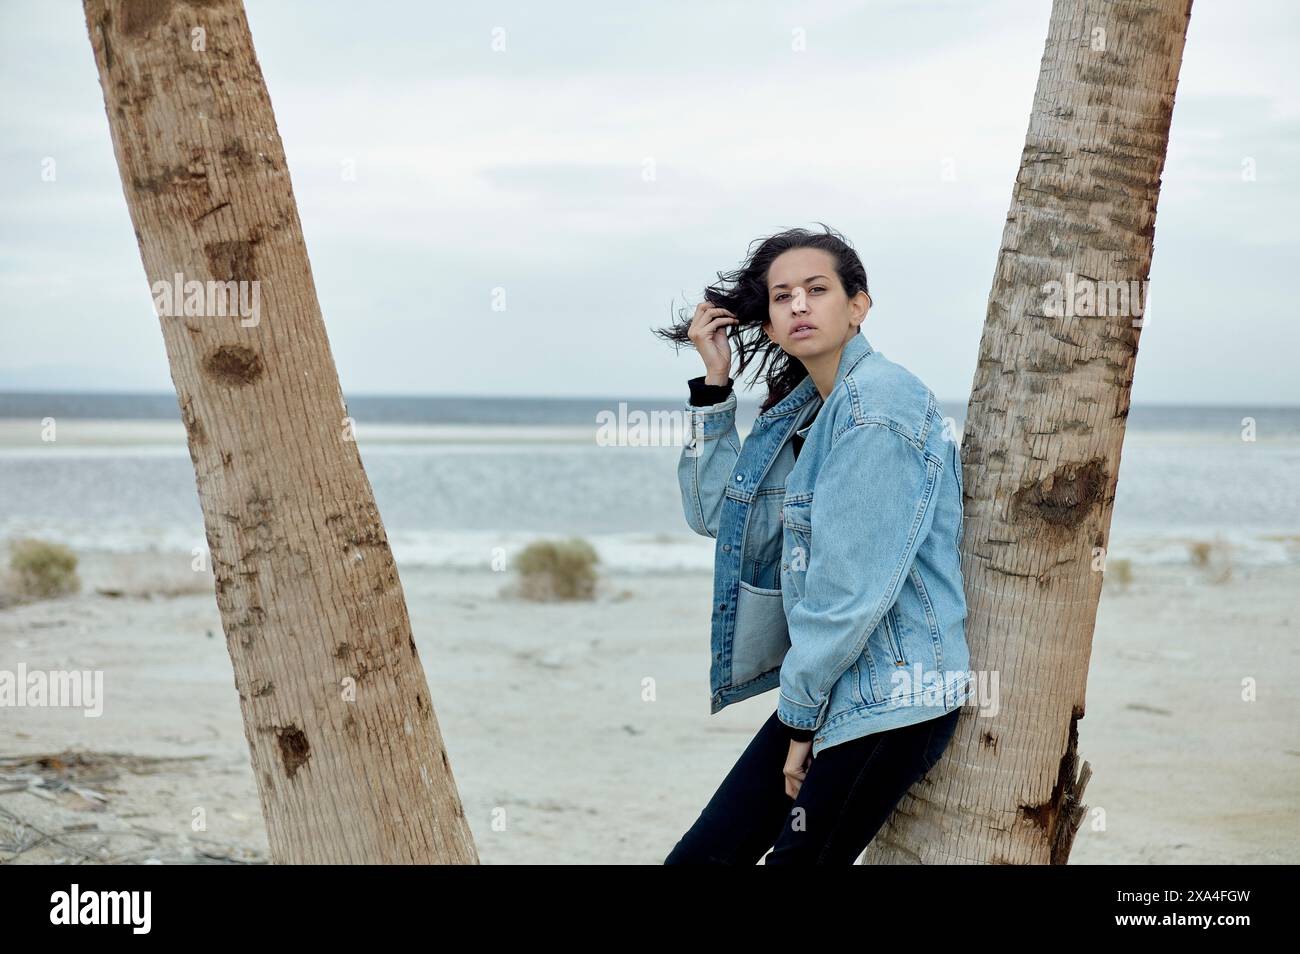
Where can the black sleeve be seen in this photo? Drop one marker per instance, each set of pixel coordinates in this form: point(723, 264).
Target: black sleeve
point(702, 395)
point(799, 735)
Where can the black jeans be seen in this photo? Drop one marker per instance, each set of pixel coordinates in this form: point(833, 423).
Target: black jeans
point(848, 793)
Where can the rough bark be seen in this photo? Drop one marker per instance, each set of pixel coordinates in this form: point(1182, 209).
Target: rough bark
point(1042, 438)
point(306, 584)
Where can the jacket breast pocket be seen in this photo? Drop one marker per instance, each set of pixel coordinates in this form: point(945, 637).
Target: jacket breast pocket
point(796, 550)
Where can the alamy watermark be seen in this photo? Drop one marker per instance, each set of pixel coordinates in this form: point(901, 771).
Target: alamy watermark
point(636, 428)
point(55, 689)
point(75, 906)
point(1082, 297)
point(210, 299)
point(916, 685)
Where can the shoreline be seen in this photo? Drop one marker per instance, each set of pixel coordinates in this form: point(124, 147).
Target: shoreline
point(127, 435)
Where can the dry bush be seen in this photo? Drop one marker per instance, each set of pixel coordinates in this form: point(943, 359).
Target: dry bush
point(1213, 557)
point(41, 570)
point(1121, 571)
point(557, 570)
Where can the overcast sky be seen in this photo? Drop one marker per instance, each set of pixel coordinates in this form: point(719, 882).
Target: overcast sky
point(522, 169)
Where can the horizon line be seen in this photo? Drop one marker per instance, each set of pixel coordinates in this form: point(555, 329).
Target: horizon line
point(582, 397)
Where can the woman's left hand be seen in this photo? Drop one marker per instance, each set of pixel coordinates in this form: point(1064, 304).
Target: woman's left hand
point(797, 763)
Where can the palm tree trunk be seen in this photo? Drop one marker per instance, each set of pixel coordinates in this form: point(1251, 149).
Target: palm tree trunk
point(349, 761)
point(1043, 434)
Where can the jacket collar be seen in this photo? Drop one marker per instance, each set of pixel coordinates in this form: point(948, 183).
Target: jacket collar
point(855, 349)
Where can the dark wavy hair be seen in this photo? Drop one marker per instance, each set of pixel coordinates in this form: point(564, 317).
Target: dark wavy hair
point(744, 292)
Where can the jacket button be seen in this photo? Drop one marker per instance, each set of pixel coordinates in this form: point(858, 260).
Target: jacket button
point(740, 476)
point(722, 606)
point(726, 547)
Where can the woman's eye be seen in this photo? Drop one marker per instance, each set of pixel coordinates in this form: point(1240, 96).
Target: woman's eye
point(819, 288)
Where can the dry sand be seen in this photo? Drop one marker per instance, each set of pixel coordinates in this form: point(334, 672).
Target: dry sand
point(541, 706)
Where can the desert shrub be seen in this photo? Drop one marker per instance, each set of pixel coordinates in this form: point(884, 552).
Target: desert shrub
point(557, 569)
point(1215, 558)
point(1121, 571)
point(41, 570)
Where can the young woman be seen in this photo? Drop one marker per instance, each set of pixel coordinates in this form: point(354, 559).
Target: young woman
point(836, 571)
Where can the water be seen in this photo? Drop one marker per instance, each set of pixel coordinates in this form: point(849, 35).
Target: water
point(457, 477)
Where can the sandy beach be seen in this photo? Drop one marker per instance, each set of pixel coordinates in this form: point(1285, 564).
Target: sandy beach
point(541, 706)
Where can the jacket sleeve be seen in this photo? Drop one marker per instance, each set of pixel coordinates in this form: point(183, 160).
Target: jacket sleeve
point(709, 453)
point(873, 504)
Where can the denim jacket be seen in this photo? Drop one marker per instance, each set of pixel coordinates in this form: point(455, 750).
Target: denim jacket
point(837, 577)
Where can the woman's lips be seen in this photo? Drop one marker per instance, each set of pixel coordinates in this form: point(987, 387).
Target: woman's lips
point(803, 332)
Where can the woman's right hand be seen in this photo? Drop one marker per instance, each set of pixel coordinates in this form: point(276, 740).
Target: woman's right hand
point(798, 762)
point(709, 335)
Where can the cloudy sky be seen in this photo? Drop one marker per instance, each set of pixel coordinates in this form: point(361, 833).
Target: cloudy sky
point(523, 168)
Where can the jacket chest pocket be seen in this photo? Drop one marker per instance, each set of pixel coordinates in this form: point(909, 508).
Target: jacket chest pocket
point(796, 550)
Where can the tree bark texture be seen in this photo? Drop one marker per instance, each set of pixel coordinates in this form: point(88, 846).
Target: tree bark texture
point(1043, 434)
point(345, 745)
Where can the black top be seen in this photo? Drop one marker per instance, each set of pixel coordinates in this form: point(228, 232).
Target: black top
point(702, 395)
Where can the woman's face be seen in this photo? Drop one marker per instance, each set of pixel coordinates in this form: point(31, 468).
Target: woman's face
point(808, 311)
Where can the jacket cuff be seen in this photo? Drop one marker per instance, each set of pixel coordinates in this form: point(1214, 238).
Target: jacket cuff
point(703, 395)
point(798, 716)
